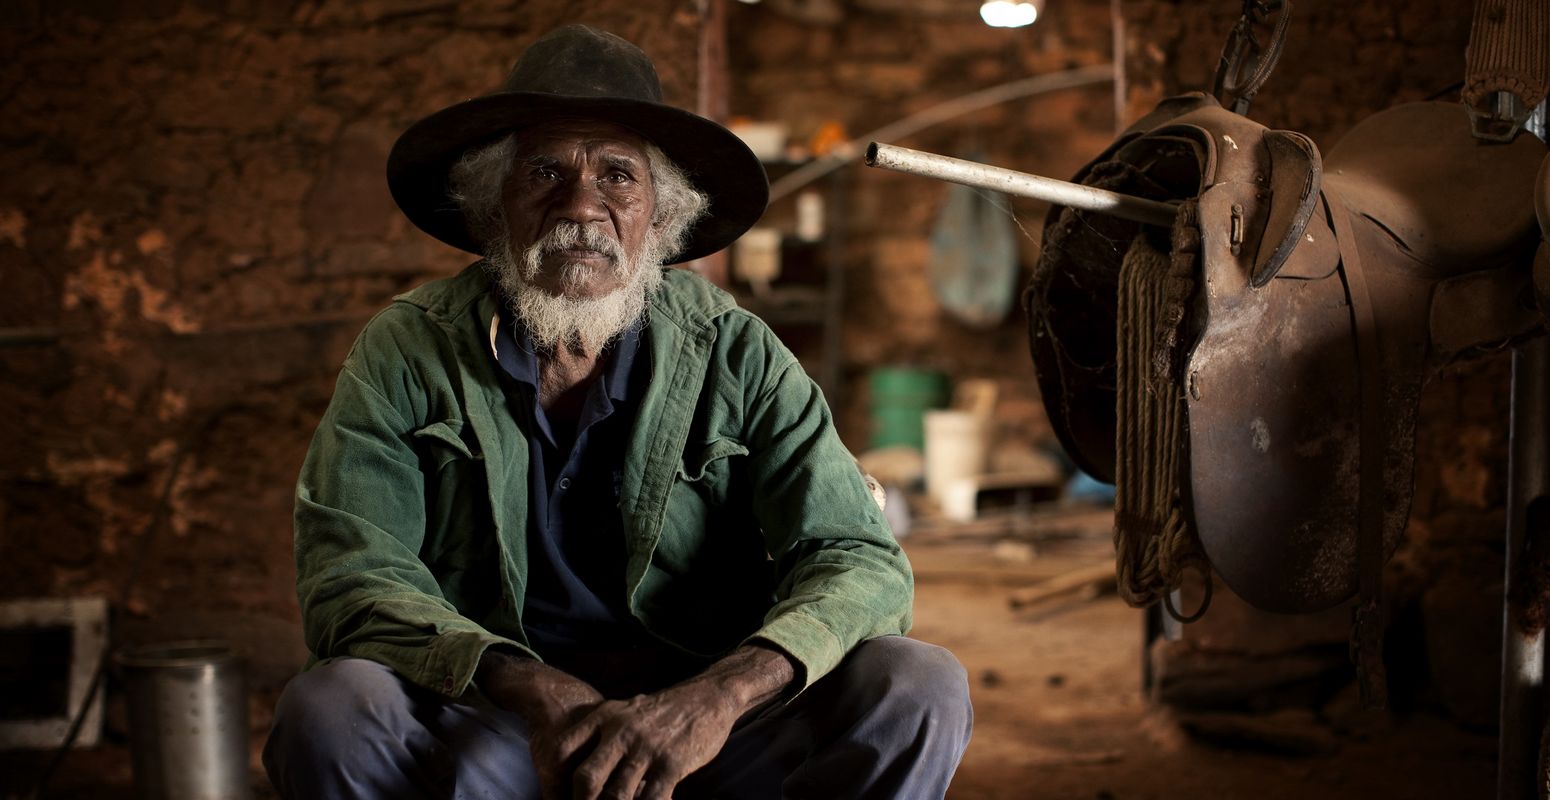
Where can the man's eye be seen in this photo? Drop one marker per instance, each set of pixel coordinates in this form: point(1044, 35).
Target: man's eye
point(545, 173)
point(618, 177)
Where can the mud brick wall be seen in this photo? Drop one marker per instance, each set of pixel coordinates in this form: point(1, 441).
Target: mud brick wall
point(194, 224)
point(882, 62)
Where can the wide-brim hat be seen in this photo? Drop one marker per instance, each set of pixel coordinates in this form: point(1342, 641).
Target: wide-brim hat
point(577, 71)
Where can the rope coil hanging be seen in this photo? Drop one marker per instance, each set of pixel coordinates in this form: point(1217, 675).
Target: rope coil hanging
point(1153, 540)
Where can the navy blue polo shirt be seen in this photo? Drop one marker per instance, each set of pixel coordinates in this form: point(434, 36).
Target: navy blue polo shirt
point(576, 552)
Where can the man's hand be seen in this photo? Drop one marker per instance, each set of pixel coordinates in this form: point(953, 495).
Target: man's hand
point(647, 744)
point(642, 747)
point(551, 702)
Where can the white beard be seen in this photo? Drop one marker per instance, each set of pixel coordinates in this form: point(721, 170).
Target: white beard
point(554, 321)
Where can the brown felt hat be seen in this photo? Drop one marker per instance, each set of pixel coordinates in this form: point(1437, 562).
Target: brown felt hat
point(577, 71)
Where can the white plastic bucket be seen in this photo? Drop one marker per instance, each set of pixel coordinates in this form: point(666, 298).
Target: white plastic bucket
point(957, 447)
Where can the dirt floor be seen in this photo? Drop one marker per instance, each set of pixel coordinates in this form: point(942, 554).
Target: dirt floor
point(1059, 711)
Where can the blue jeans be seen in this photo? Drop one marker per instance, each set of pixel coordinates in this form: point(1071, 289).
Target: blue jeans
point(892, 720)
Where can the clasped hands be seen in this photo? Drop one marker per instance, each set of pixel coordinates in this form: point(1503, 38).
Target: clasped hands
point(587, 747)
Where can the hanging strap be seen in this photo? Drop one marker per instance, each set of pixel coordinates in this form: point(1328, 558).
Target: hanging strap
point(1245, 64)
point(1507, 65)
point(1367, 621)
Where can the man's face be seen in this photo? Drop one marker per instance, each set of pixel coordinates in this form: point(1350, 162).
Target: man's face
point(595, 175)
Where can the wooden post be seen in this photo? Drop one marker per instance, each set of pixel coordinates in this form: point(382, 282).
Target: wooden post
point(711, 103)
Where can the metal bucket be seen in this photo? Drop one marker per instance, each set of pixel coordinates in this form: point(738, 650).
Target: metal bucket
point(188, 720)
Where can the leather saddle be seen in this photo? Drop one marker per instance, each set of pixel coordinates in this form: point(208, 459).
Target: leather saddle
point(1328, 289)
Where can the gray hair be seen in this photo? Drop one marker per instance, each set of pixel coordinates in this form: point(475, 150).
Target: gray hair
point(478, 178)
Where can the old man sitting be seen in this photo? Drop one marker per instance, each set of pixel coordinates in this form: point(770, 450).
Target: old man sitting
point(574, 524)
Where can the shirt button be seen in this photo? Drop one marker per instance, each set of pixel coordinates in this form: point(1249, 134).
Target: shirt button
point(565, 483)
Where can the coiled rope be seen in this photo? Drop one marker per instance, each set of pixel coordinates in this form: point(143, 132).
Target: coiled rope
point(1153, 541)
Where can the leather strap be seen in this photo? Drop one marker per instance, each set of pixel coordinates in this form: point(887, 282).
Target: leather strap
point(1367, 621)
point(1243, 52)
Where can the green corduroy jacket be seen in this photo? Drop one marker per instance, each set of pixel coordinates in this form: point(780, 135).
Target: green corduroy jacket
point(745, 517)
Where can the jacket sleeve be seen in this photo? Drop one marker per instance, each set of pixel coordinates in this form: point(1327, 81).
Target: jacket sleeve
point(842, 577)
point(359, 526)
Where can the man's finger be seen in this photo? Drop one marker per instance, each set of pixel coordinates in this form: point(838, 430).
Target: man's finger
point(553, 774)
point(592, 775)
point(567, 748)
point(626, 778)
point(658, 786)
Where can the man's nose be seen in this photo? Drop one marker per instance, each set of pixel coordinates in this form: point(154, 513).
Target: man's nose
point(581, 202)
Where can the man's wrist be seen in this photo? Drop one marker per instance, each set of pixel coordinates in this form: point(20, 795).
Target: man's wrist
point(540, 694)
point(750, 676)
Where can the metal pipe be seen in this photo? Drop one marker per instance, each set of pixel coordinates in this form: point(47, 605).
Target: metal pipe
point(939, 113)
point(1523, 707)
point(1021, 184)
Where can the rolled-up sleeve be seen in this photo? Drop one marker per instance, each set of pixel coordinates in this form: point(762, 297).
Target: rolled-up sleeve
point(842, 577)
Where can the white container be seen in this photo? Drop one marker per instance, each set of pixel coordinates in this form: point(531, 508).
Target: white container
point(957, 446)
point(756, 257)
point(767, 140)
point(810, 216)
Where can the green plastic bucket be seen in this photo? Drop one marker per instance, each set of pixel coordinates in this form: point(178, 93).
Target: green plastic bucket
point(900, 398)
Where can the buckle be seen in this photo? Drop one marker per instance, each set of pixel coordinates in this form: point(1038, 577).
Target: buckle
point(1503, 122)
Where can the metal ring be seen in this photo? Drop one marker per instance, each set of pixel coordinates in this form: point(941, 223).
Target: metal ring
point(1205, 602)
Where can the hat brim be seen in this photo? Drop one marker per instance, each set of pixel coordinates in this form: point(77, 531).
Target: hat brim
point(716, 161)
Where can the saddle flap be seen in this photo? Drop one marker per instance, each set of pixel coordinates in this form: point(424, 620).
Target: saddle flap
point(1275, 393)
point(1273, 451)
point(1482, 308)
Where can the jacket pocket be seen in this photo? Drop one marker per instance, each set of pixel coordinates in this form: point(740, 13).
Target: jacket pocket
point(457, 517)
point(442, 443)
point(707, 463)
point(710, 547)
point(709, 505)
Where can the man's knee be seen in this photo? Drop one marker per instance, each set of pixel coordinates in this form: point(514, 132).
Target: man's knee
point(339, 693)
point(905, 677)
point(892, 720)
point(330, 710)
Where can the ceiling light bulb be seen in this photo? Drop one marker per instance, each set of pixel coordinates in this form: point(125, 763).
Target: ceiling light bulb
point(1008, 14)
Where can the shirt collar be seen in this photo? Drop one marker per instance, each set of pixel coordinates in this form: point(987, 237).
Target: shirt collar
point(512, 347)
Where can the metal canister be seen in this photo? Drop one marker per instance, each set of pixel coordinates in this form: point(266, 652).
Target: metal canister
point(188, 720)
